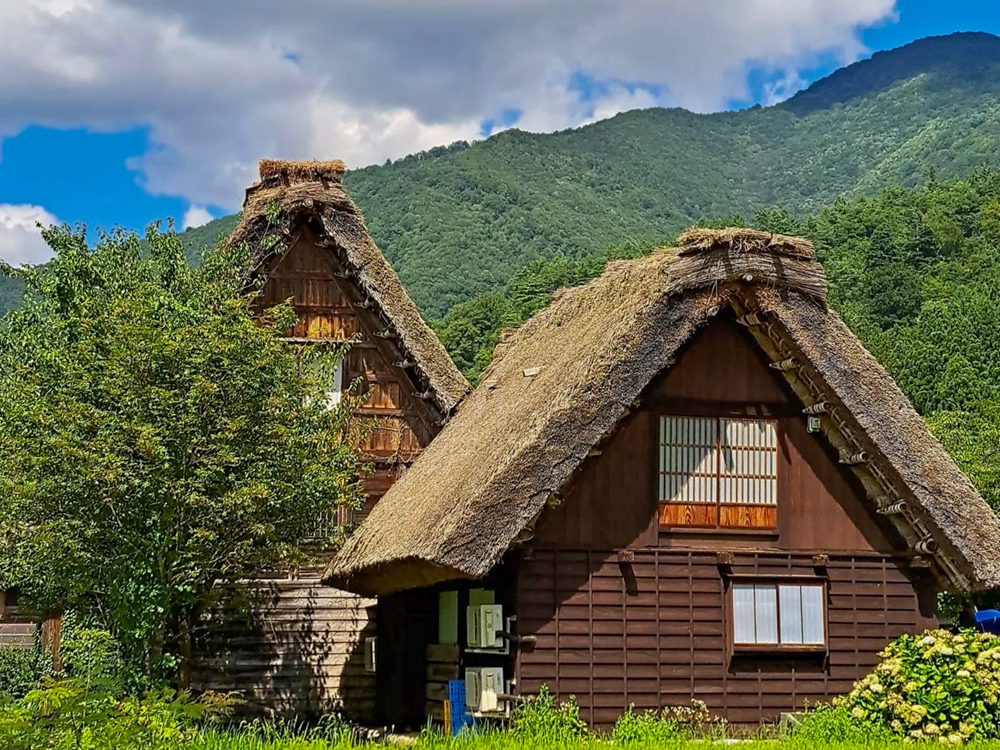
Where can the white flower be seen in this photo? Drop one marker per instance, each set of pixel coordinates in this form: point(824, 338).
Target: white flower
point(964, 673)
point(858, 712)
point(945, 651)
point(955, 739)
point(927, 641)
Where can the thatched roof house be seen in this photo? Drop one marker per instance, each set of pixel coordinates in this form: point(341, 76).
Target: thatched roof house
point(310, 248)
point(561, 384)
point(291, 195)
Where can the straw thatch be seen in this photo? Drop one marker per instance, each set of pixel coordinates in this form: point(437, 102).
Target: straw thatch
point(291, 195)
point(568, 376)
point(745, 241)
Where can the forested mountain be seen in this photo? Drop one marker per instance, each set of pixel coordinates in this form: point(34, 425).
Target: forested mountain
point(462, 219)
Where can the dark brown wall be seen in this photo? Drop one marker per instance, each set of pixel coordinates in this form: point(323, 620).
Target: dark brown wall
point(653, 632)
point(613, 502)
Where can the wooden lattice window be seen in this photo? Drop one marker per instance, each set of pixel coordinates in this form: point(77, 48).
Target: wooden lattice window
point(717, 472)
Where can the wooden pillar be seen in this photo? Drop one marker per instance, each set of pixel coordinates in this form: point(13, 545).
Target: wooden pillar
point(52, 637)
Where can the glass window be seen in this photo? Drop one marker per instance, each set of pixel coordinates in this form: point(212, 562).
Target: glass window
point(778, 614)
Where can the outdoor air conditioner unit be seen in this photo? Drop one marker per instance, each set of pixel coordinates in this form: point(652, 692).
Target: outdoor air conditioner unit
point(482, 622)
point(483, 685)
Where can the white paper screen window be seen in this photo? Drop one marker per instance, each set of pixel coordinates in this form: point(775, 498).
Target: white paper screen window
point(688, 459)
point(749, 467)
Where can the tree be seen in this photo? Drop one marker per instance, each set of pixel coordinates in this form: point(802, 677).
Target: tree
point(156, 440)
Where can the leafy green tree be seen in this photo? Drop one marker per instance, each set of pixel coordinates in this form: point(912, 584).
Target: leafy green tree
point(157, 440)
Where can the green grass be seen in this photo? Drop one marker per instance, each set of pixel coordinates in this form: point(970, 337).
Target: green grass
point(283, 740)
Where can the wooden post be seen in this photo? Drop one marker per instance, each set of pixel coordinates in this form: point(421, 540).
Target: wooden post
point(52, 637)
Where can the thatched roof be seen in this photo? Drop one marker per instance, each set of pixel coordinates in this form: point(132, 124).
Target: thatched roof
point(290, 195)
point(562, 382)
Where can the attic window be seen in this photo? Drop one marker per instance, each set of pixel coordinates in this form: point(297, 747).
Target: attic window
point(718, 473)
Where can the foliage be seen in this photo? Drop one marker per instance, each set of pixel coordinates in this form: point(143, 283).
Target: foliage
point(935, 686)
point(156, 441)
point(834, 723)
point(94, 656)
point(541, 717)
point(70, 713)
point(21, 669)
point(646, 728)
point(654, 727)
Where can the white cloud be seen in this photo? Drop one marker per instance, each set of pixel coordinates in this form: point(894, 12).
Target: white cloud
point(196, 216)
point(220, 86)
point(20, 237)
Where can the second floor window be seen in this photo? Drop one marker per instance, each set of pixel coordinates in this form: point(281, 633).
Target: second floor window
point(718, 472)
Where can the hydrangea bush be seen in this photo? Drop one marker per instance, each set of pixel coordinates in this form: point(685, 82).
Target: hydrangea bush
point(939, 687)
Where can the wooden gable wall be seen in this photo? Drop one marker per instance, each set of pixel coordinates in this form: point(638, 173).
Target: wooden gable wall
point(613, 504)
point(623, 612)
point(329, 309)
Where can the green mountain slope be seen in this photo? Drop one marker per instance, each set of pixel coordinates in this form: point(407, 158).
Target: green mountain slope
point(463, 219)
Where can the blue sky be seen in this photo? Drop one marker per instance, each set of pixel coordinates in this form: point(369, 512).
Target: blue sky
point(98, 138)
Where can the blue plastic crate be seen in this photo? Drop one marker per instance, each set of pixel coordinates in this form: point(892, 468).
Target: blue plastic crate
point(460, 717)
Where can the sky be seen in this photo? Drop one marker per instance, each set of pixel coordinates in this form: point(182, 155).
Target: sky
point(122, 112)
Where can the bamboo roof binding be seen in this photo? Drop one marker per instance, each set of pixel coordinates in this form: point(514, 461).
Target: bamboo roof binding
point(562, 382)
point(291, 194)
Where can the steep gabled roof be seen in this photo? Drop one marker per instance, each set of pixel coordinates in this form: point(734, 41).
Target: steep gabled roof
point(562, 383)
point(290, 195)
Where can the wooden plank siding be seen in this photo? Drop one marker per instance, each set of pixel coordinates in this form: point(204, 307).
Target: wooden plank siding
point(16, 629)
point(654, 632)
point(300, 651)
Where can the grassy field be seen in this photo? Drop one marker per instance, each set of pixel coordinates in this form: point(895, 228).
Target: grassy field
point(255, 740)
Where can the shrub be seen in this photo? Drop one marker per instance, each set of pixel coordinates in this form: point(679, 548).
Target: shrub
point(70, 713)
point(937, 686)
point(92, 655)
point(541, 717)
point(646, 728)
point(20, 670)
point(655, 727)
point(834, 724)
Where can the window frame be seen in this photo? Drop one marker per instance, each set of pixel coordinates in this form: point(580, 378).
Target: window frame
point(749, 649)
point(718, 527)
